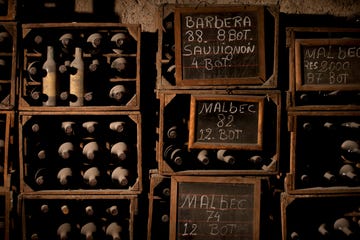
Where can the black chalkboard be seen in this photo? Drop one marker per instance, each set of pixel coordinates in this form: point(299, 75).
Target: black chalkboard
point(214, 208)
point(326, 64)
point(217, 46)
point(226, 122)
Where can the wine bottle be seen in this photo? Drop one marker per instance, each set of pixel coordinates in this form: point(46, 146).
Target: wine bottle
point(66, 150)
point(120, 176)
point(5, 42)
point(35, 71)
point(323, 230)
point(88, 230)
point(36, 96)
point(174, 154)
point(49, 81)
point(343, 225)
point(90, 150)
point(90, 126)
point(91, 176)
point(114, 230)
point(350, 151)
point(120, 150)
point(41, 177)
point(168, 71)
point(119, 67)
point(67, 44)
point(223, 155)
point(95, 43)
point(163, 189)
point(64, 176)
point(77, 79)
point(294, 236)
point(122, 43)
point(68, 127)
point(113, 210)
point(117, 126)
point(203, 157)
point(348, 172)
point(37, 44)
point(63, 231)
point(118, 93)
point(89, 211)
point(329, 178)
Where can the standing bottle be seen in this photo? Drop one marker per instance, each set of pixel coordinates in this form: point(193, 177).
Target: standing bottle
point(77, 79)
point(49, 80)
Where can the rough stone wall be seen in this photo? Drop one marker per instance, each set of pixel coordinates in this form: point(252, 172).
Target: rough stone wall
point(145, 11)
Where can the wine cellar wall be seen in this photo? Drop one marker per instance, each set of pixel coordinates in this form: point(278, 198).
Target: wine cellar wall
point(229, 121)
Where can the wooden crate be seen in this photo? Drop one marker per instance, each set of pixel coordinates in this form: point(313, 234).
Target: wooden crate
point(321, 144)
point(307, 215)
point(7, 139)
point(51, 136)
point(45, 224)
point(99, 83)
point(159, 206)
point(175, 111)
point(8, 64)
point(321, 75)
point(167, 51)
point(8, 10)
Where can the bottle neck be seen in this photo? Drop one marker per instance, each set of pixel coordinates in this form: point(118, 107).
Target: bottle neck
point(50, 52)
point(78, 52)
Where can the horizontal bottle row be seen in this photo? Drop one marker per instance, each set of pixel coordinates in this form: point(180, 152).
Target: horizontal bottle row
point(78, 219)
point(116, 40)
point(325, 150)
point(327, 98)
point(321, 217)
point(80, 177)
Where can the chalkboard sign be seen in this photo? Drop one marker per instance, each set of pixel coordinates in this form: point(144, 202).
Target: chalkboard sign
point(327, 64)
point(217, 46)
point(214, 208)
point(226, 122)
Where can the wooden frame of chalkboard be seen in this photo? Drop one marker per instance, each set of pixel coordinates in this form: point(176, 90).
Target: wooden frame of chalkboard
point(327, 64)
point(220, 46)
point(214, 208)
point(226, 122)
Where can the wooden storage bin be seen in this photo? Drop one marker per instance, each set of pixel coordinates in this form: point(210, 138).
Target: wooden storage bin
point(324, 152)
point(323, 68)
point(108, 60)
point(8, 61)
point(167, 51)
point(307, 215)
point(40, 150)
point(175, 111)
point(70, 208)
point(6, 149)
point(159, 206)
point(8, 10)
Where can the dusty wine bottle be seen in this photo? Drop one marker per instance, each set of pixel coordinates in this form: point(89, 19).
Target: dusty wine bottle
point(35, 71)
point(90, 150)
point(203, 157)
point(343, 225)
point(64, 176)
point(113, 210)
point(95, 43)
point(68, 127)
point(119, 150)
point(174, 154)
point(67, 43)
point(117, 93)
point(91, 176)
point(347, 171)
point(120, 176)
point(223, 155)
point(49, 81)
point(66, 150)
point(114, 230)
point(122, 43)
point(77, 79)
point(88, 230)
point(90, 126)
point(41, 177)
point(63, 231)
point(119, 67)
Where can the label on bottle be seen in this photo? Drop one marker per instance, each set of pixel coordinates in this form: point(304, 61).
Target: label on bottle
point(77, 88)
point(49, 88)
